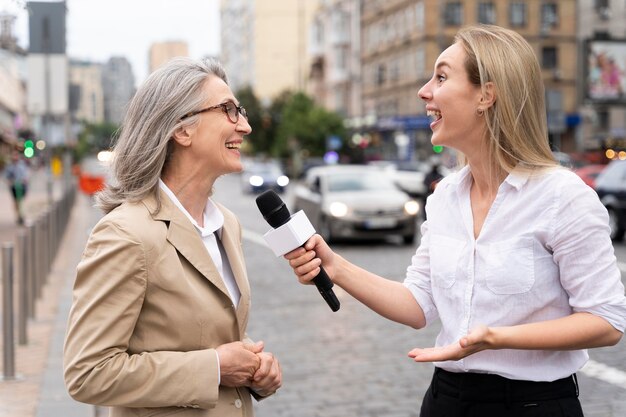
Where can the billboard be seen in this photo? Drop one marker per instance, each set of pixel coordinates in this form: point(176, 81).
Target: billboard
point(605, 71)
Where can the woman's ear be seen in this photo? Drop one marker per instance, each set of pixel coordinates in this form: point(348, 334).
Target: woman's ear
point(488, 96)
point(183, 136)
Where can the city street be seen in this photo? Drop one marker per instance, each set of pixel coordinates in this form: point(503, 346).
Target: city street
point(353, 362)
point(345, 364)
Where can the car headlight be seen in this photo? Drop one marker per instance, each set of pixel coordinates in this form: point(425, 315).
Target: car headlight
point(282, 181)
point(256, 181)
point(338, 209)
point(411, 207)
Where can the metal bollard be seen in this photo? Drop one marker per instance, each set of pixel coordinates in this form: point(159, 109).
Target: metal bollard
point(7, 312)
point(31, 270)
point(22, 316)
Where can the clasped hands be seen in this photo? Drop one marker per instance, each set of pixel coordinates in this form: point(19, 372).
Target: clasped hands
point(247, 365)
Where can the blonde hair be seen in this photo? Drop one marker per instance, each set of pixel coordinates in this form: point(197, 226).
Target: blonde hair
point(517, 125)
point(154, 114)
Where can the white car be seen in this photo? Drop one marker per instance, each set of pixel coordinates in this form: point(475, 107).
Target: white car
point(356, 201)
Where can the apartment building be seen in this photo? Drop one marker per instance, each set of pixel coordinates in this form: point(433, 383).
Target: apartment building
point(86, 93)
point(265, 44)
point(401, 40)
point(161, 52)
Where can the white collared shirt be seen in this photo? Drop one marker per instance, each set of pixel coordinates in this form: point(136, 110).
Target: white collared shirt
point(543, 253)
point(213, 223)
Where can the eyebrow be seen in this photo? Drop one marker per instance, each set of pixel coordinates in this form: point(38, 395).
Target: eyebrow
point(442, 64)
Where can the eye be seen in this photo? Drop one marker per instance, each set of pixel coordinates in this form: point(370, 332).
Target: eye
point(440, 78)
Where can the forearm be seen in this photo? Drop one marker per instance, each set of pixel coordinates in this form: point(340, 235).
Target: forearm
point(388, 298)
point(577, 331)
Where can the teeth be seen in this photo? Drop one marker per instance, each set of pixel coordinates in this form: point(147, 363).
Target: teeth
point(233, 145)
point(434, 114)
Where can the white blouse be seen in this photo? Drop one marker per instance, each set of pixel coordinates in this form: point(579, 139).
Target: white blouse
point(543, 252)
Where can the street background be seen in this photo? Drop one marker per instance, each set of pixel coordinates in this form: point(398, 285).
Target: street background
point(343, 364)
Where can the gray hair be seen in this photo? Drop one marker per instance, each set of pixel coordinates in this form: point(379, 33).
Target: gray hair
point(154, 114)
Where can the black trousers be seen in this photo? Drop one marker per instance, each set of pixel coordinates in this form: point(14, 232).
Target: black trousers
point(482, 395)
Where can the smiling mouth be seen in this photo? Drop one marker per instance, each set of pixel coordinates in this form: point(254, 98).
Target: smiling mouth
point(434, 115)
point(233, 145)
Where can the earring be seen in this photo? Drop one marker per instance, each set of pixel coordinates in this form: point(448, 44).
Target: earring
point(480, 112)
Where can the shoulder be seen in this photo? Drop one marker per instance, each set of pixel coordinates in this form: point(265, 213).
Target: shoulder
point(133, 222)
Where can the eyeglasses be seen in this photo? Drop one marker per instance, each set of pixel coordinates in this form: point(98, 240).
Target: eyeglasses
point(231, 109)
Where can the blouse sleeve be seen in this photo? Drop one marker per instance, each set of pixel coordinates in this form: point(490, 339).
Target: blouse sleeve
point(585, 255)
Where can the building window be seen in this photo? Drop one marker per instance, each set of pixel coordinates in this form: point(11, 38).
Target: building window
point(517, 14)
point(602, 9)
point(549, 15)
point(453, 14)
point(549, 58)
point(419, 16)
point(486, 13)
point(381, 75)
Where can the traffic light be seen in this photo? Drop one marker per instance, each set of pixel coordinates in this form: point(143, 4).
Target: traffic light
point(29, 148)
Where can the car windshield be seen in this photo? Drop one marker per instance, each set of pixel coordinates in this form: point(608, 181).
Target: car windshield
point(266, 169)
point(358, 181)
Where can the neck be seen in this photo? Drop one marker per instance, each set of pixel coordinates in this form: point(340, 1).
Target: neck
point(487, 177)
point(190, 191)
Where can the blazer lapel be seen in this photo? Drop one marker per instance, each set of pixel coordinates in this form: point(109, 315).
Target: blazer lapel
point(185, 238)
point(233, 250)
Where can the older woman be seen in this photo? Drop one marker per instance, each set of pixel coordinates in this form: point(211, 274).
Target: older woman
point(161, 298)
point(515, 258)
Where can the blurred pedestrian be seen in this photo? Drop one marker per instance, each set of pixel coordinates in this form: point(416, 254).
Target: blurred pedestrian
point(161, 297)
point(515, 259)
point(430, 183)
point(17, 174)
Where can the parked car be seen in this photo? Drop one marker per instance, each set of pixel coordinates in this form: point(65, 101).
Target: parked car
point(611, 188)
point(259, 176)
point(589, 173)
point(356, 201)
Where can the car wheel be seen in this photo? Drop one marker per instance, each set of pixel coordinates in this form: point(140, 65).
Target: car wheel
point(408, 239)
point(324, 229)
point(617, 233)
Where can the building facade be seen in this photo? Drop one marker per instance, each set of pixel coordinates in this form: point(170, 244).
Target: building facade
point(269, 53)
point(13, 114)
point(118, 83)
point(161, 52)
point(335, 71)
point(48, 72)
point(401, 40)
point(86, 93)
point(602, 34)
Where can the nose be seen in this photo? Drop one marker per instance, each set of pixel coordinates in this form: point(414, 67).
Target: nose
point(425, 93)
point(243, 126)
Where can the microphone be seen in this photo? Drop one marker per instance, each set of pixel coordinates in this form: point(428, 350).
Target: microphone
point(276, 213)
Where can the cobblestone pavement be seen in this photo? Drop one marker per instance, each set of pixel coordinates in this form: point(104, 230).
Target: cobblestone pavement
point(353, 362)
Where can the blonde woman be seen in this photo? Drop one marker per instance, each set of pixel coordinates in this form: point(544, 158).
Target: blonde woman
point(515, 258)
point(161, 298)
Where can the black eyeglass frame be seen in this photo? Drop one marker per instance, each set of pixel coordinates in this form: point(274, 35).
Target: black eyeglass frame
point(239, 110)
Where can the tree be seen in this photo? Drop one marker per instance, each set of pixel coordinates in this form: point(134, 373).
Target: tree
point(94, 138)
point(305, 126)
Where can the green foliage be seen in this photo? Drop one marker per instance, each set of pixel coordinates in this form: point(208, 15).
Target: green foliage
point(306, 126)
point(94, 138)
point(292, 122)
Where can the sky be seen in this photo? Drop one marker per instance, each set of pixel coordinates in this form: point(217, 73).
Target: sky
point(99, 29)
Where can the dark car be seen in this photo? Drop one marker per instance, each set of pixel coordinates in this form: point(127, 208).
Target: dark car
point(611, 188)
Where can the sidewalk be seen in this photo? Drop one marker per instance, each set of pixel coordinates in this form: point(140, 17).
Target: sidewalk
point(38, 390)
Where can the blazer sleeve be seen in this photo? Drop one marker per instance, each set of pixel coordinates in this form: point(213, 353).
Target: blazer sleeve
point(109, 290)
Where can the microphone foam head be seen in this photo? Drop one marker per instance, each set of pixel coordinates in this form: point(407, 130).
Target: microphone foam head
point(273, 209)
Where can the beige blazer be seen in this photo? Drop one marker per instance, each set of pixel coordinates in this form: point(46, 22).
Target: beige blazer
point(148, 310)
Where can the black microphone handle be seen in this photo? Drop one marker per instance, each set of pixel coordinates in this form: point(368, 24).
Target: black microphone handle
point(325, 287)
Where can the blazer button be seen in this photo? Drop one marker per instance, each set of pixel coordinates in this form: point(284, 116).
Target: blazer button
point(238, 403)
